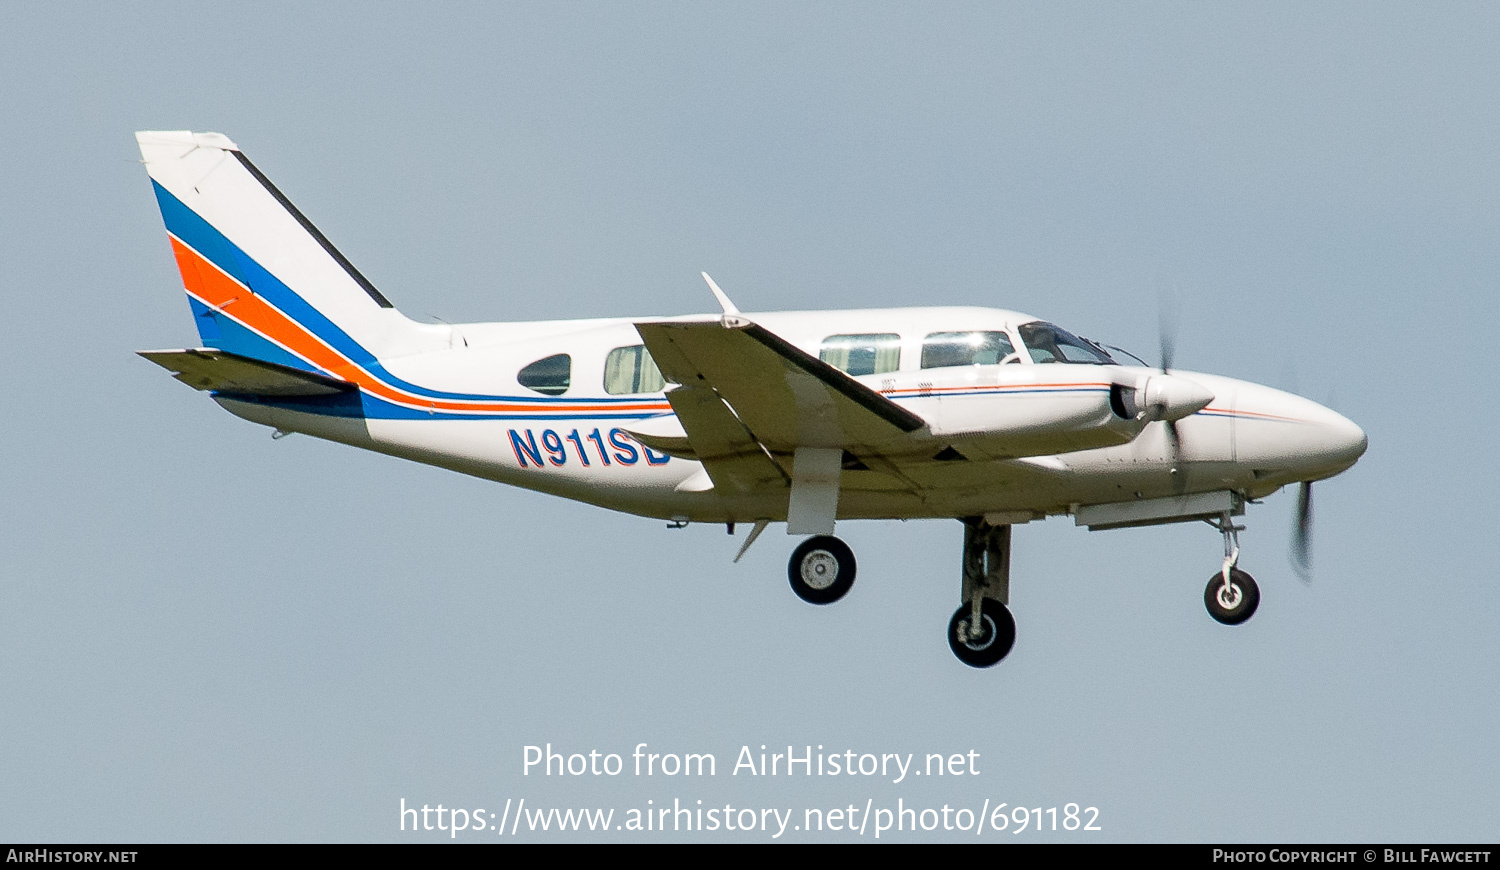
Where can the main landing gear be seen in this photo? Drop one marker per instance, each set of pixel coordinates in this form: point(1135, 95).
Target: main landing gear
point(821, 569)
point(1231, 596)
point(981, 631)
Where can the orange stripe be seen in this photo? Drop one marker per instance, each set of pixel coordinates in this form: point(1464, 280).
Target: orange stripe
point(219, 291)
point(990, 387)
point(1253, 414)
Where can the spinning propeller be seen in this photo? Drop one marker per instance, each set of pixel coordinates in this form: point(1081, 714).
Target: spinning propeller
point(1302, 534)
point(1301, 551)
point(1166, 332)
point(1164, 398)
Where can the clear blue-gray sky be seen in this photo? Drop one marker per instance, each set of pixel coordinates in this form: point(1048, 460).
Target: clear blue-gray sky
point(208, 635)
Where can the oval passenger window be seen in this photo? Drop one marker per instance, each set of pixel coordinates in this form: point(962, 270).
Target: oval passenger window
point(549, 375)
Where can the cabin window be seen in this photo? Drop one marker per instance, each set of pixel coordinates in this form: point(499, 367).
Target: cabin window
point(1053, 344)
point(549, 375)
point(629, 370)
point(941, 350)
point(872, 354)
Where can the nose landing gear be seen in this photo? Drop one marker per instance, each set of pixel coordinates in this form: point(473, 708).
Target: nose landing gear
point(1231, 600)
point(1231, 596)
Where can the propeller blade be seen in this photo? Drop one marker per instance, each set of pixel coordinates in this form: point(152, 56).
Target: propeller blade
point(1166, 330)
point(1302, 534)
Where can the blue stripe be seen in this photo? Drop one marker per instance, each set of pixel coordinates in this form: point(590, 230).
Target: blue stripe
point(208, 326)
point(1247, 417)
point(363, 405)
point(185, 224)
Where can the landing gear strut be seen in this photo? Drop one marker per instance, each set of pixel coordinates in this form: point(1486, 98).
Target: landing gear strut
point(1231, 596)
point(982, 630)
point(821, 569)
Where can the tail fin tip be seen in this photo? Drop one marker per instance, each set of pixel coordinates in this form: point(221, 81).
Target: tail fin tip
point(185, 137)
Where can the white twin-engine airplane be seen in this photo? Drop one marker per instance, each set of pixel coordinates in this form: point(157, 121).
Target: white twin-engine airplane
point(989, 416)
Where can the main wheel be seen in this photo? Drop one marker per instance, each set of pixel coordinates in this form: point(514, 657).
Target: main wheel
point(997, 634)
point(1235, 603)
point(821, 569)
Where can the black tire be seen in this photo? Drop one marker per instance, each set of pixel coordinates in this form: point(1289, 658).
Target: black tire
point(998, 634)
point(1236, 604)
point(821, 569)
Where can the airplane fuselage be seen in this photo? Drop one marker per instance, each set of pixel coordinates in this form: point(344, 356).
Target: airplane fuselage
point(1250, 439)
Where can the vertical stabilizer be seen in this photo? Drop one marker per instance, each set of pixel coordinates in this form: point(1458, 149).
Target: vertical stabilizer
point(263, 282)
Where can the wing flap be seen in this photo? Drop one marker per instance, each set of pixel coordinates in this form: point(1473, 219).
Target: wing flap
point(734, 460)
point(218, 371)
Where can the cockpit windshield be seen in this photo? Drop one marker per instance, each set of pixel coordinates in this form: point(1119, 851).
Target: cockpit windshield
point(1048, 343)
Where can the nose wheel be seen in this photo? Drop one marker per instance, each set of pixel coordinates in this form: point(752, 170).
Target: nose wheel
point(1231, 596)
point(1234, 600)
point(821, 569)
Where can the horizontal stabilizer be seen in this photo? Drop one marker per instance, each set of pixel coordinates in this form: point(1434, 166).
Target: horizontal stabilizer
point(218, 371)
point(664, 434)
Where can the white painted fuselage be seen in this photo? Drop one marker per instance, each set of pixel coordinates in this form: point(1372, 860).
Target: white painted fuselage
point(1251, 439)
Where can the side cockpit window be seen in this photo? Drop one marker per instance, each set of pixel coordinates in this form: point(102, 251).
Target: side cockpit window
point(1053, 344)
point(944, 349)
point(629, 370)
point(865, 354)
point(550, 375)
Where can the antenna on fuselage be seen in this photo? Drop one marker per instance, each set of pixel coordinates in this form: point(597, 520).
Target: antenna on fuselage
point(724, 302)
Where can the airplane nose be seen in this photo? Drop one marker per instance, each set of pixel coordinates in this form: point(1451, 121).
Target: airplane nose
point(1289, 438)
point(1338, 442)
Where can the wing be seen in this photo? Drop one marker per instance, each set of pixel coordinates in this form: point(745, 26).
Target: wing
point(749, 401)
point(784, 397)
point(206, 368)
